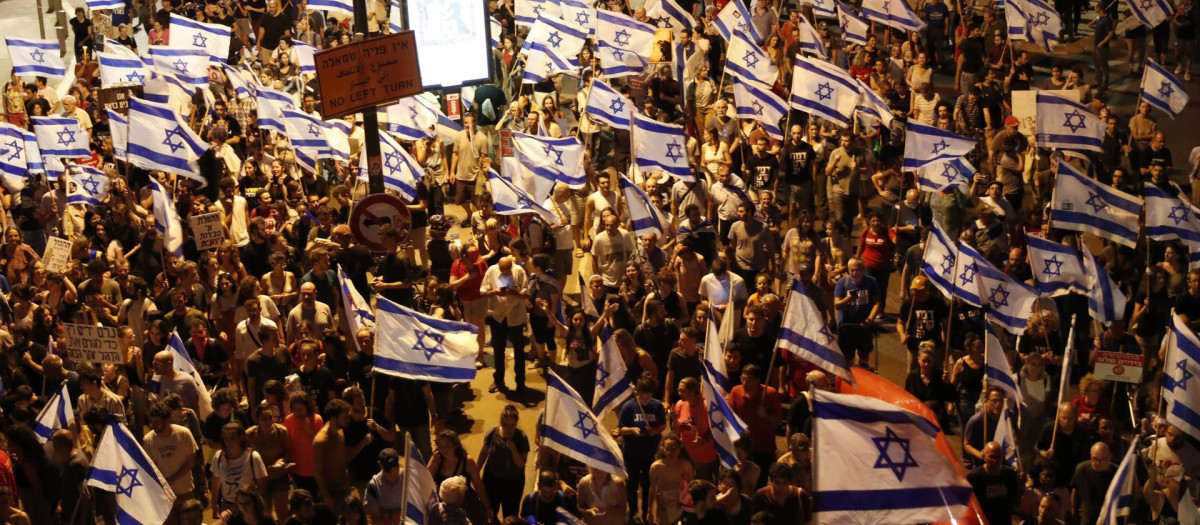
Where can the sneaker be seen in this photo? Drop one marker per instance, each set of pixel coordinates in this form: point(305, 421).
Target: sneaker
point(1178, 69)
point(494, 388)
point(465, 222)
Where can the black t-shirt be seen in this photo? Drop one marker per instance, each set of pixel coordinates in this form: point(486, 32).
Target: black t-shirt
point(264, 368)
point(273, 28)
point(997, 494)
point(972, 54)
point(755, 350)
point(255, 257)
point(1189, 306)
point(925, 322)
point(501, 463)
point(396, 269)
point(409, 408)
point(366, 463)
point(356, 261)
point(797, 162)
point(318, 186)
point(80, 28)
point(658, 341)
point(317, 383)
point(683, 366)
point(762, 171)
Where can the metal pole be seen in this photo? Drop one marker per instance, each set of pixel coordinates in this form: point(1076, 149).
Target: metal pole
point(41, 19)
point(370, 117)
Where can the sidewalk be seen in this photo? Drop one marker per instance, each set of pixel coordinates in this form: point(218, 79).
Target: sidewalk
point(19, 18)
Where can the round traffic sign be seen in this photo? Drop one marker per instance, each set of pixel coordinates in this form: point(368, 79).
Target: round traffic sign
point(372, 212)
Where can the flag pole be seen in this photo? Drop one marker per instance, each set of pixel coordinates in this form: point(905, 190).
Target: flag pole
point(371, 403)
point(404, 482)
point(953, 303)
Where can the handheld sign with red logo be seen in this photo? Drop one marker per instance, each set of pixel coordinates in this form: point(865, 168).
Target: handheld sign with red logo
point(1115, 366)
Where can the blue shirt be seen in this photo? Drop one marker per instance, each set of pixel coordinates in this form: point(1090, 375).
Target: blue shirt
point(865, 293)
point(652, 415)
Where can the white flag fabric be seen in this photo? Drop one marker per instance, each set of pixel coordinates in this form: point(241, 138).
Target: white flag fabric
point(623, 32)
point(58, 413)
point(1170, 218)
point(15, 156)
point(1163, 90)
point(880, 464)
point(416, 346)
point(271, 105)
point(1007, 438)
point(925, 144)
point(526, 12)
point(166, 219)
point(306, 132)
point(1016, 22)
point(1106, 302)
point(188, 65)
point(1082, 204)
point(35, 57)
point(116, 68)
point(358, 310)
point(421, 492)
point(1064, 123)
point(401, 172)
point(757, 102)
point(996, 368)
point(941, 175)
point(116, 5)
point(1181, 366)
point(87, 185)
point(805, 333)
point(714, 354)
point(616, 62)
point(810, 40)
point(668, 15)
point(606, 105)
point(725, 425)
point(1005, 301)
point(305, 57)
point(337, 133)
point(213, 39)
point(824, 90)
point(510, 199)
point(854, 27)
point(643, 216)
point(746, 60)
point(1057, 269)
point(1150, 13)
point(409, 119)
point(1118, 499)
point(395, 25)
point(244, 83)
point(160, 140)
point(343, 7)
point(1042, 22)
point(122, 467)
point(944, 268)
point(548, 160)
point(182, 363)
point(571, 429)
point(579, 14)
point(872, 110)
point(1068, 357)
point(61, 137)
point(613, 385)
point(112, 46)
point(894, 13)
point(735, 17)
point(564, 39)
point(660, 146)
point(823, 8)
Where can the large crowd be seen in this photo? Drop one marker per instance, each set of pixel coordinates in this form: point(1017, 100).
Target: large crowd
point(300, 428)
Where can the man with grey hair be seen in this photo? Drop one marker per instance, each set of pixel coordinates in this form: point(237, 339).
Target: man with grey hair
point(71, 109)
point(859, 300)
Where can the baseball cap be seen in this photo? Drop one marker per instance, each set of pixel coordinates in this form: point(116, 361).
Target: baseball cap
point(389, 458)
point(919, 282)
point(1011, 121)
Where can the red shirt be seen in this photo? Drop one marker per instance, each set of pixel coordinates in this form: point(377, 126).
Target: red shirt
point(469, 291)
point(693, 421)
point(760, 431)
point(876, 250)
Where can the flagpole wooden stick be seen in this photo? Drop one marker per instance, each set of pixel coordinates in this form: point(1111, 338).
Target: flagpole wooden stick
point(371, 401)
point(953, 303)
point(404, 482)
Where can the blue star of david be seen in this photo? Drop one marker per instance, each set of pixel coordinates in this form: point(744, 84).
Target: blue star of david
point(758, 108)
point(824, 331)
point(621, 38)
point(549, 149)
point(885, 458)
point(66, 137)
point(199, 40)
point(947, 264)
point(1096, 202)
point(968, 274)
point(716, 420)
point(392, 161)
point(1146, 4)
point(1057, 264)
point(135, 77)
point(555, 39)
point(1166, 89)
point(127, 480)
point(824, 91)
point(429, 342)
point(313, 130)
point(1074, 120)
point(412, 112)
point(537, 11)
point(586, 424)
point(175, 146)
point(617, 105)
point(1040, 20)
point(180, 65)
point(582, 18)
point(887, 6)
point(603, 374)
point(1171, 383)
point(38, 56)
point(91, 185)
point(1179, 214)
point(16, 149)
point(664, 22)
point(674, 151)
point(949, 171)
point(618, 54)
point(939, 146)
point(750, 59)
point(1000, 292)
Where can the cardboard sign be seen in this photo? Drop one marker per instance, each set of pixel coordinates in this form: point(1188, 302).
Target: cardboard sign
point(1115, 366)
point(366, 74)
point(94, 344)
point(1024, 106)
point(57, 254)
point(117, 98)
point(208, 230)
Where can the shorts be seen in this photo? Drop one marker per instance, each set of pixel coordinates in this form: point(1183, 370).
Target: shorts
point(476, 309)
point(464, 191)
point(563, 260)
point(1186, 45)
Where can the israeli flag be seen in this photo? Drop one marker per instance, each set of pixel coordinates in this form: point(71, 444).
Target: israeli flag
point(1016, 21)
point(526, 12)
point(1064, 123)
point(880, 464)
point(1043, 22)
point(1005, 301)
point(123, 468)
point(549, 160)
point(395, 24)
point(213, 39)
point(571, 429)
point(616, 62)
point(623, 32)
point(1007, 438)
point(1150, 13)
point(724, 423)
point(1118, 499)
point(337, 133)
point(244, 83)
point(823, 8)
point(746, 60)
point(952, 266)
point(579, 14)
point(756, 102)
point(305, 131)
point(401, 172)
point(810, 41)
point(182, 363)
point(15, 156)
point(893, 13)
point(643, 216)
point(88, 185)
point(735, 17)
point(606, 105)
point(660, 146)
point(409, 119)
point(543, 63)
point(564, 517)
point(54, 169)
point(343, 7)
point(116, 5)
point(416, 346)
point(667, 14)
point(1085, 205)
point(714, 355)
point(166, 219)
point(160, 140)
point(941, 175)
point(1162, 90)
point(116, 69)
point(1106, 302)
point(1056, 267)
point(564, 39)
point(996, 367)
point(305, 60)
point(271, 105)
point(1170, 218)
point(420, 488)
point(1181, 366)
point(613, 385)
point(61, 137)
point(805, 333)
point(924, 144)
point(112, 46)
point(854, 27)
point(35, 57)
point(509, 199)
point(57, 414)
point(872, 109)
point(357, 310)
point(824, 90)
point(188, 65)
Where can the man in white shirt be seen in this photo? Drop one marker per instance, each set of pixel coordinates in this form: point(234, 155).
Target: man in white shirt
point(236, 210)
point(71, 109)
point(504, 286)
point(611, 251)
